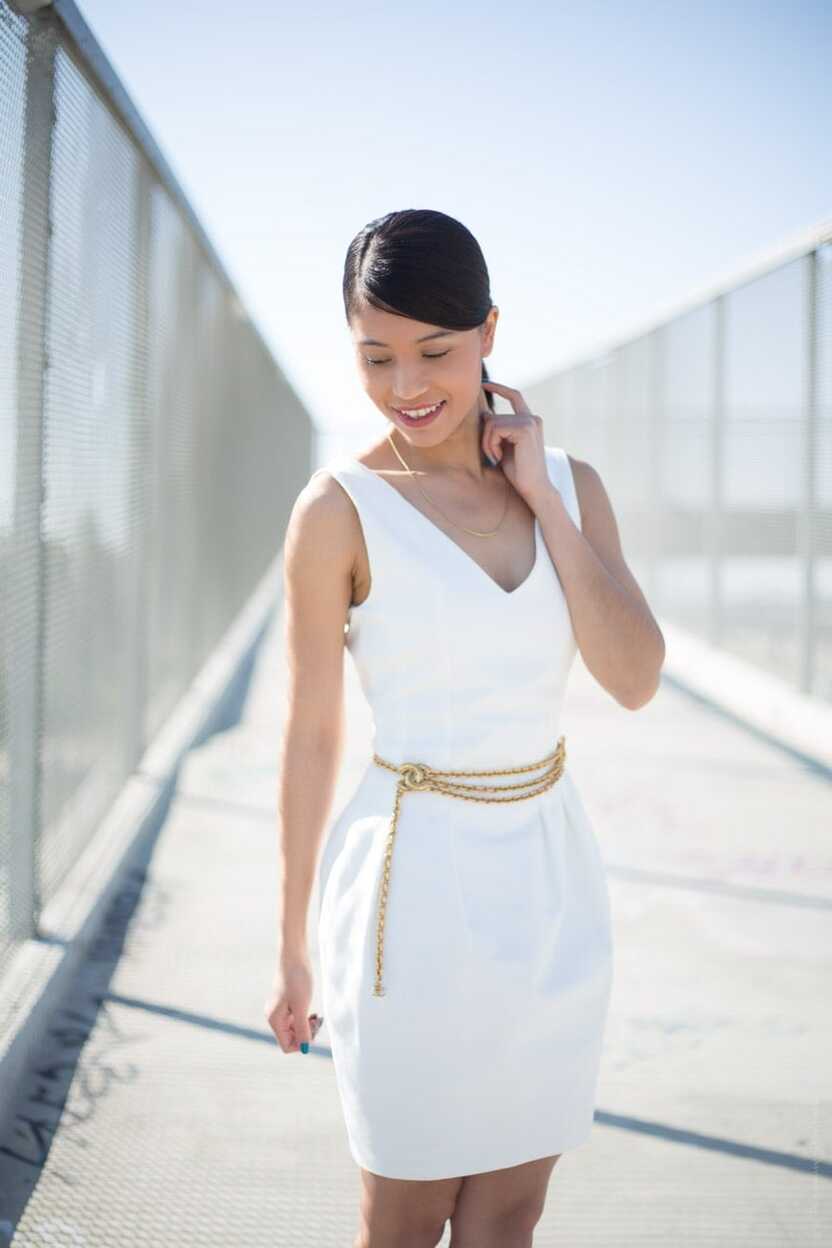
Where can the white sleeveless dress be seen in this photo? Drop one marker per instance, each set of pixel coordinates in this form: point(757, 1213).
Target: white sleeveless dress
point(484, 1051)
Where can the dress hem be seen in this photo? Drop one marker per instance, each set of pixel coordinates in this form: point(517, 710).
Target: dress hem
point(446, 1173)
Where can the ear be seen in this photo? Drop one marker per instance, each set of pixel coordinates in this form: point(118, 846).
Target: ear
point(489, 328)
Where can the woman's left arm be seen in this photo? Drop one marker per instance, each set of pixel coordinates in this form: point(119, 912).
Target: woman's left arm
point(616, 632)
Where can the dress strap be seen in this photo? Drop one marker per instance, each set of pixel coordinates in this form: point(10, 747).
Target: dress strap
point(560, 473)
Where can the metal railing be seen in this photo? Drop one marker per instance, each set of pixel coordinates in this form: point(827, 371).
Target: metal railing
point(712, 431)
point(150, 448)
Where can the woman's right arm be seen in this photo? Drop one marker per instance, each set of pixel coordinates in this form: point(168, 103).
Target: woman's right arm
point(319, 561)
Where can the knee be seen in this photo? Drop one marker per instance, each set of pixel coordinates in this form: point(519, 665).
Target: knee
point(525, 1217)
point(401, 1231)
point(510, 1225)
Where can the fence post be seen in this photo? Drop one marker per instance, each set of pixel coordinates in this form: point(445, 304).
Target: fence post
point(807, 510)
point(140, 475)
point(27, 570)
point(714, 527)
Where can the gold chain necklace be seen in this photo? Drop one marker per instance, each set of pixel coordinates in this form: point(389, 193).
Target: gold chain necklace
point(473, 532)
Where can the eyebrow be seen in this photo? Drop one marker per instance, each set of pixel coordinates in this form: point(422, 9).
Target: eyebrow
point(374, 342)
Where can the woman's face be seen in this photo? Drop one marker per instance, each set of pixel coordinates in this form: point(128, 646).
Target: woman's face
point(407, 364)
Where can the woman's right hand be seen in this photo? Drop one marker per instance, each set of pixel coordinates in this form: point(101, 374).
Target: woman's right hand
point(288, 1003)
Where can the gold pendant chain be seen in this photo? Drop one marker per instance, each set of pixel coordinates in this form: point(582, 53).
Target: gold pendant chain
point(473, 532)
point(419, 776)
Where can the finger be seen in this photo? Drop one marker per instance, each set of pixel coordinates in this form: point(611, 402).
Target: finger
point(514, 397)
point(283, 1026)
point(301, 1028)
point(490, 441)
point(284, 1036)
point(492, 421)
point(493, 439)
point(289, 1030)
point(502, 430)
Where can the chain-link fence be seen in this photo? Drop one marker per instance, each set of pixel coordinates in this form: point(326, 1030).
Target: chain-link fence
point(712, 431)
point(150, 448)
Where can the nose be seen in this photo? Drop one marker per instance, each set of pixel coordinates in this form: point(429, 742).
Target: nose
point(410, 385)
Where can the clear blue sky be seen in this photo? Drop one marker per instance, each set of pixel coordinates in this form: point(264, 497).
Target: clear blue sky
point(609, 157)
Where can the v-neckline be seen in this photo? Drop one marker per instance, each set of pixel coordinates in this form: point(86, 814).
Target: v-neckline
point(420, 515)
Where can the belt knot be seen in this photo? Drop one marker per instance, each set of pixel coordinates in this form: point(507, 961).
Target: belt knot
point(415, 776)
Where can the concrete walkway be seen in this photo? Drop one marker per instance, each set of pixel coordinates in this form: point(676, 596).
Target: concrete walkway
point(163, 1112)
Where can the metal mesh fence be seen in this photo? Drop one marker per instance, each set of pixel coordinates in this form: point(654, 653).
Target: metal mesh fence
point(150, 452)
point(712, 432)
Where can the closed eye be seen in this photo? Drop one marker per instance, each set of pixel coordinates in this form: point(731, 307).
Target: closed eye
point(435, 356)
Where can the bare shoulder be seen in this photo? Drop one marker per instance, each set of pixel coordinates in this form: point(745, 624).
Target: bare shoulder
point(323, 531)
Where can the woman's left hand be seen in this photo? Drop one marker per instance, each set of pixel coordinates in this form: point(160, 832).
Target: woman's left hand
point(516, 442)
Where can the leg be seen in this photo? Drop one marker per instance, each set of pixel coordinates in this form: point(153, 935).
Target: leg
point(404, 1213)
point(500, 1208)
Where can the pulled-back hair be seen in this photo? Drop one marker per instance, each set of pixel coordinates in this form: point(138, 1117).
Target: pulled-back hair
point(421, 264)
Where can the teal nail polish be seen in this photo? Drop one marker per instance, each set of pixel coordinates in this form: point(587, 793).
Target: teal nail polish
point(304, 1048)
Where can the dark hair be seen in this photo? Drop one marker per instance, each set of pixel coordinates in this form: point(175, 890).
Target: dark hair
point(421, 264)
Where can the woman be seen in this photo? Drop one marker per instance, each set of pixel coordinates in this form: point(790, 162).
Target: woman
point(463, 922)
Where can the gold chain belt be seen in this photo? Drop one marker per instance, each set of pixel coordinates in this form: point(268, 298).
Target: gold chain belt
point(418, 776)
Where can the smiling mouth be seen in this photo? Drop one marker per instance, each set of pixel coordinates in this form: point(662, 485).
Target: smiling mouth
point(423, 419)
